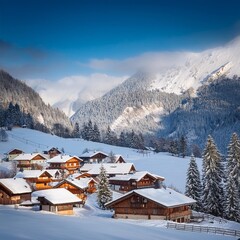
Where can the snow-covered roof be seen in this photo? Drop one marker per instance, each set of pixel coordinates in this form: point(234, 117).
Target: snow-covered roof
point(164, 196)
point(92, 153)
point(62, 159)
point(57, 196)
point(82, 183)
point(111, 168)
point(16, 185)
point(35, 173)
point(8, 152)
point(29, 156)
point(134, 176)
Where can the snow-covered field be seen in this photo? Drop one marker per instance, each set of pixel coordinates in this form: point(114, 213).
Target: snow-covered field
point(172, 168)
point(90, 222)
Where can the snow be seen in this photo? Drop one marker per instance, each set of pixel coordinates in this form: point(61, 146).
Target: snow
point(163, 164)
point(57, 196)
point(111, 168)
point(62, 159)
point(29, 174)
point(166, 197)
point(82, 183)
point(91, 223)
point(28, 156)
point(92, 153)
point(199, 68)
point(136, 176)
point(16, 185)
point(134, 114)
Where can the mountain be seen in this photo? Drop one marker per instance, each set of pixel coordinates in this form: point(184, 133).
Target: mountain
point(16, 96)
point(149, 102)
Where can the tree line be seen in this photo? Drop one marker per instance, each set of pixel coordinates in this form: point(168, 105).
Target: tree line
point(217, 191)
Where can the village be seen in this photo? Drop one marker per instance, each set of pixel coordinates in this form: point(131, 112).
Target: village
point(56, 182)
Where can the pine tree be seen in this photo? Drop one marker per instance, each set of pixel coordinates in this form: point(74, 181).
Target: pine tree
point(193, 184)
point(76, 130)
point(233, 186)
point(182, 146)
point(212, 179)
point(96, 133)
point(104, 193)
point(3, 135)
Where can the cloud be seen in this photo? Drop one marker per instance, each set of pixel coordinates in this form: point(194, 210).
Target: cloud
point(149, 61)
point(22, 61)
point(81, 88)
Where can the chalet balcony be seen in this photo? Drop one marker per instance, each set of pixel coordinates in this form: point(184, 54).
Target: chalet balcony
point(43, 180)
point(24, 165)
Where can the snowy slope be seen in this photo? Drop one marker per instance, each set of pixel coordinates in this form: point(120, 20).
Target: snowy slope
point(25, 224)
point(143, 100)
point(199, 68)
point(172, 168)
point(90, 222)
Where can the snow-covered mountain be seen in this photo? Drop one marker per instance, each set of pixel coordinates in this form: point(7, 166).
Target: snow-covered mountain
point(30, 110)
point(143, 101)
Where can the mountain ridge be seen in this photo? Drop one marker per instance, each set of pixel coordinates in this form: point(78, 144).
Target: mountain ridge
point(45, 118)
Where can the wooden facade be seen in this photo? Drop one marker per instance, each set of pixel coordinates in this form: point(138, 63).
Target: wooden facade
point(58, 200)
point(13, 153)
point(8, 197)
point(52, 152)
point(77, 191)
point(136, 206)
point(126, 185)
point(41, 182)
point(30, 161)
point(93, 157)
point(61, 209)
point(71, 165)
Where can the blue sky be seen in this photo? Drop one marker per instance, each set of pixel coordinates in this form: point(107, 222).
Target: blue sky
point(52, 39)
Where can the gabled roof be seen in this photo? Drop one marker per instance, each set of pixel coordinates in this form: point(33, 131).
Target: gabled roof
point(82, 183)
point(117, 157)
point(90, 154)
point(57, 196)
point(35, 173)
point(15, 149)
point(16, 185)
point(135, 176)
point(62, 159)
point(163, 196)
point(51, 148)
point(29, 156)
point(111, 168)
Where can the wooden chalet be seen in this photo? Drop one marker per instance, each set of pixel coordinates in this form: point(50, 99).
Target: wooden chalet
point(112, 169)
point(58, 200)
point(92, 182)
point(40, 179)
point(13, 153)
point(52, 152)
point(126, 183)
point(28, 161)
point(80, 187)
point(70, 164)
point(114, 159)
point(119, 159)
point(14, 191)
point(93, 157)
point(152, 203)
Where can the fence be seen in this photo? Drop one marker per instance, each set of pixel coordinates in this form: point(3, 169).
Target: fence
point(205, 229)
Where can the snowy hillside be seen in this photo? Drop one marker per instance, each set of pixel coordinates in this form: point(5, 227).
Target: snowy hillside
point(172, 168)
point(199, 68)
